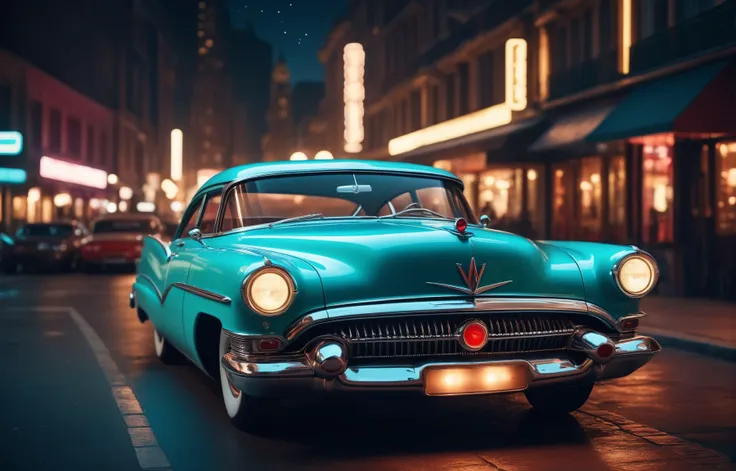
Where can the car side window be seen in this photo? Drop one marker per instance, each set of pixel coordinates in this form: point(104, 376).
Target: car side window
point(190, 219)
point(211, 206)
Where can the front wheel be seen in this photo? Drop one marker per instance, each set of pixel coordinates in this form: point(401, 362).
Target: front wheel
point(559, 399)
point(164, 350)
point(246, 412)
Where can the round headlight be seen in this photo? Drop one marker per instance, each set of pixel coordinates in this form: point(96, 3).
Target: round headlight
point(269, 291)
point(636, 275)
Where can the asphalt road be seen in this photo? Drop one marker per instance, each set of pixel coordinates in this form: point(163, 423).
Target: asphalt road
point(81, 389)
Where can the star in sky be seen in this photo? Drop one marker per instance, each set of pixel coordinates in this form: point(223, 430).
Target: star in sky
point(297, 29)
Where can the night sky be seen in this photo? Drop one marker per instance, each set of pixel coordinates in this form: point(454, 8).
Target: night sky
point(296, 28)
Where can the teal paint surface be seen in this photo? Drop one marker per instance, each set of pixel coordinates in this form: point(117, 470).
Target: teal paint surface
point(353, 262)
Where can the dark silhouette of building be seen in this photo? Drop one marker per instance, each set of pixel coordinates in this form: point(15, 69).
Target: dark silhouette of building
point(252, 63)
point(278, 142)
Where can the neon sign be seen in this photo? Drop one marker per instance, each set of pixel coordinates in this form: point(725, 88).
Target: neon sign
point(481, 120)
point(12, 175)
point(11, 143)
point(68, 172)
point(354, 95)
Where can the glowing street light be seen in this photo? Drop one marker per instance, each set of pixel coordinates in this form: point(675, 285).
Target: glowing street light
point(323, 155)
point(177, 146)
point(112, 179)
point(298, 156)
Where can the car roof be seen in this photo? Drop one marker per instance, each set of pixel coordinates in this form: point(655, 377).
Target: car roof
point(266, 169)
point(127, 216)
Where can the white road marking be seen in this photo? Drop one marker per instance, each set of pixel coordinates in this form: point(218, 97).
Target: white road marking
point(147, 450)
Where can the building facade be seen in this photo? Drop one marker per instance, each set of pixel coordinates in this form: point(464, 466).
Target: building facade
point(67, 153)
point(117, 54)
point(599, 120)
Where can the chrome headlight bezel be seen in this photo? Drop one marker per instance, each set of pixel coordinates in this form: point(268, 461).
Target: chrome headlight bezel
point(250, 279)
point(646, 258)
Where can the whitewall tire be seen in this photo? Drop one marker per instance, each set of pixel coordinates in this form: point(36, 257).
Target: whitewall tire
point(164, 350)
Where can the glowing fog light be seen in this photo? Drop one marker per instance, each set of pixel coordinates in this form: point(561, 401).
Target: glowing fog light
point(636, 275)
point(269, 292)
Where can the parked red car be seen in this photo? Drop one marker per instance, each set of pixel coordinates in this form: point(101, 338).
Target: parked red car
point(117, 240)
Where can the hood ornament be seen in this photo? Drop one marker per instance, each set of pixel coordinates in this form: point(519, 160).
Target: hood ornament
point(472, 280)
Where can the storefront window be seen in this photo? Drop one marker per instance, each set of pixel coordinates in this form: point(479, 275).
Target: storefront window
point(726, 196)
point(562, 218)
point(617, 199)
point(657, 193)
point(590, 200)
point(501, 197)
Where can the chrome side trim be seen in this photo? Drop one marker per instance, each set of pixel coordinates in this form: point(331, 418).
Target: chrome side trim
point(447, 306)
point(185, 287)
point(203, 293)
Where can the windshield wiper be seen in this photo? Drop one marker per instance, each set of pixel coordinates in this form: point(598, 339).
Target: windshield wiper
point(298, 218)
point(414, 209)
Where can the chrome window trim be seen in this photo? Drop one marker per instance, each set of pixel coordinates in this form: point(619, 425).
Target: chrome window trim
point(184, 287)
point(229, 186)
point(510, 305)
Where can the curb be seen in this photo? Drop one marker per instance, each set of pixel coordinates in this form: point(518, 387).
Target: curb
point(711, 348)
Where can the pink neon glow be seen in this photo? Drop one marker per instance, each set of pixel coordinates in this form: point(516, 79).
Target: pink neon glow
point(72, 173)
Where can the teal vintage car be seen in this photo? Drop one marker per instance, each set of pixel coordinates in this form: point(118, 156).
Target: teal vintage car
point(288, 278)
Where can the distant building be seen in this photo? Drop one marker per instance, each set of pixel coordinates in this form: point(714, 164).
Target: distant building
point(117, 54)
point(308, 128)
point(252, 63)
point(279, 141)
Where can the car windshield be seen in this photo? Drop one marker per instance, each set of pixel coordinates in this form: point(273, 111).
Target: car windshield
point(47, 230)
point(343, 195)
point(124, 225)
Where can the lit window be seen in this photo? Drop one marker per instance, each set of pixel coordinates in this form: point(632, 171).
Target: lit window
point(202, 51)
point(617, 199)
point(202, 5)
point(200, 33)
point(657, 211)
point(562, 204)
point(209, 42)
point(726, 196)
point(500, 196)
point(590, 198)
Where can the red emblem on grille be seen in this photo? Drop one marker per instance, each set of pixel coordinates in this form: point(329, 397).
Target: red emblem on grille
point(473, 335)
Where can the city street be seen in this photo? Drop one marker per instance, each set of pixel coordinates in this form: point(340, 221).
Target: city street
point(83, 390)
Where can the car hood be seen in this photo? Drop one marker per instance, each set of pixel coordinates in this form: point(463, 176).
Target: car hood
point(367, 261)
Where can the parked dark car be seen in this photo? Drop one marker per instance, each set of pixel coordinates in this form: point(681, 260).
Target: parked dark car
point(46, 247)
point(6, 245)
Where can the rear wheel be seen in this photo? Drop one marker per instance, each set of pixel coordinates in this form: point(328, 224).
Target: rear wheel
point(559, 399)
point(164, 350)
point(246, 412)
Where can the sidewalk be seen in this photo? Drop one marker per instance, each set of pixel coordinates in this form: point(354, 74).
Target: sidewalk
point(700, 325)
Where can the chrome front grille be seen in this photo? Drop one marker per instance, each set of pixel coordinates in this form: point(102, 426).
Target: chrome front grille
point(427, 336)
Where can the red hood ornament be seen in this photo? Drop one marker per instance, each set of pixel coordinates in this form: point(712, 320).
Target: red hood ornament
point(472, 279)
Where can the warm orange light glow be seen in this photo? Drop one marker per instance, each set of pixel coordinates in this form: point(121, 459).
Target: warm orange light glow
point(298, 156)
point(482, 120)
point(177, 148)
point(516, 74)
point(68, 172)
point(475, 380)
point(354, 95)
point(625, 59)
point(543, 64)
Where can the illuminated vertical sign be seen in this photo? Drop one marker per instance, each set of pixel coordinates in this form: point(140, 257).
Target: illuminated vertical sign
point(516, 74)
point(354, 95)
point(625, 58)
point(177, 147)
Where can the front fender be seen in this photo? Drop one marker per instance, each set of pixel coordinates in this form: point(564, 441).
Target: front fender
point(223, 270)
point(596, 262)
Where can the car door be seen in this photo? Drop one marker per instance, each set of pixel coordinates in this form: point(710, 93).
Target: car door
point(177, 268)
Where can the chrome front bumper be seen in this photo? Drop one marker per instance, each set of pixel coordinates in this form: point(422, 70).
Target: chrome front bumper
point(292, 375)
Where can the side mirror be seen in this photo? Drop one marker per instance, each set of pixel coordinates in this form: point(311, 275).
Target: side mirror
point(485, 221)
point(196, 234)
